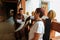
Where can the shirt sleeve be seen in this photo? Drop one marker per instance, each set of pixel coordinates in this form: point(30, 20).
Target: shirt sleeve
point(40, 27)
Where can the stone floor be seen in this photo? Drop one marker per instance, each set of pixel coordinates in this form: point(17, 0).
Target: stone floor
point(6, 31)
point(56, 38)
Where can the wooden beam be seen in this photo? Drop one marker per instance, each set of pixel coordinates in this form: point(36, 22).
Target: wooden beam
point(14, 1)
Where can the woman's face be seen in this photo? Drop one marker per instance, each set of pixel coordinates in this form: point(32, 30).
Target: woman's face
point(51, 15)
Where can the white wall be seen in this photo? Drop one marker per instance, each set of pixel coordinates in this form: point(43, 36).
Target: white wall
point(31, 5)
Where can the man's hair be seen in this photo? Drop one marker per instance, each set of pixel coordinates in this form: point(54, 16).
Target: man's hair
point(20, 9)
point(40, 11)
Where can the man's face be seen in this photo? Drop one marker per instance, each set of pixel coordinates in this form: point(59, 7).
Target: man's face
point(11, 12)
point(21, 11)
point(36, 15)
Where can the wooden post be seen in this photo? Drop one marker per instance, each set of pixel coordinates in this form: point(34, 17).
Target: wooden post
point(23, 5)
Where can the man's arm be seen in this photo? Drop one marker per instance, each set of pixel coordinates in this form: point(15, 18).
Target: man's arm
point(36, 36)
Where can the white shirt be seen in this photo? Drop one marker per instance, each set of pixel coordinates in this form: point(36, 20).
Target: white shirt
point(22, 23)
point(11, 21)
point(25, 16)
point(38, 27)
point(44, 17)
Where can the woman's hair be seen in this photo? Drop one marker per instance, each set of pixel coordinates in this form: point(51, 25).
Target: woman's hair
point(51, 14)
point(40, 11)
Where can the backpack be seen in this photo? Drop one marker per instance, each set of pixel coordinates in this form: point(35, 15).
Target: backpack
point(47, 24)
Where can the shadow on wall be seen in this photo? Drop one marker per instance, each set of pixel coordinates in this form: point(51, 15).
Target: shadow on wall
point(8, 6)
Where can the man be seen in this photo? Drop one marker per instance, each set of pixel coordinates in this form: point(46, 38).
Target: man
point(21, 19)
point(24, 20)
point(37, 30)
point(10, 20)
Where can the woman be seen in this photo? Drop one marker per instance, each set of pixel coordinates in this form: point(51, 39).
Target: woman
point(37, 30)
point(52, 15)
